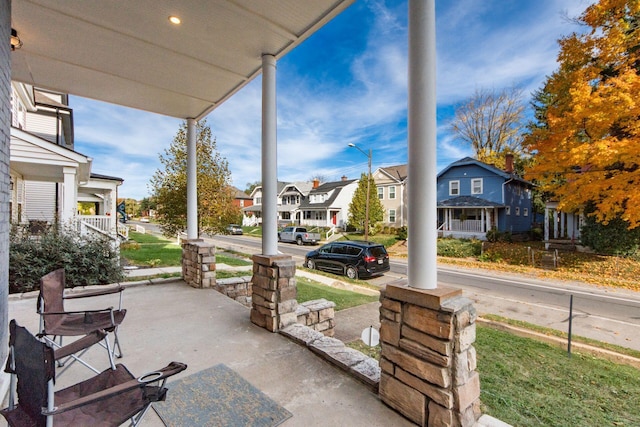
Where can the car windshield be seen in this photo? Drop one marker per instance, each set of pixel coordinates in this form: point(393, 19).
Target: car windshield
point(377, 251)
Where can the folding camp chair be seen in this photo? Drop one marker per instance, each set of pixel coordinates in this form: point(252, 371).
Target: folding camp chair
point(56, 323)
point(108, 399)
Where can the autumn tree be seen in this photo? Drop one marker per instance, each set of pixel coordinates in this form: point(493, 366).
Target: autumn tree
point(251, 186)
point(358, 205)
point(587, 135)
point(215, 195)
point(491, 122)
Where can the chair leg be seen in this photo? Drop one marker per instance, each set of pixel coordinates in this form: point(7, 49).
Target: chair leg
point(135, 420)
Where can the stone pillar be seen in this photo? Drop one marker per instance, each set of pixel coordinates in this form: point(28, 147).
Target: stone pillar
point(199, 263)
point(274, 292)
point(428, 361)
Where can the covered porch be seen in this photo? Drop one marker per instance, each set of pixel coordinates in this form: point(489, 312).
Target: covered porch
point(467, 217)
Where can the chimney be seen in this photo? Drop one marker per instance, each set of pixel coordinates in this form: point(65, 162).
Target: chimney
point(344, 177)
point(316, 182)
point(508, 163)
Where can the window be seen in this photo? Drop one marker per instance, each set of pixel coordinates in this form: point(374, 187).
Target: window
point(392, 192)
point(392, 215)
point(454, 188)
point(380, 193)
point(241, 203)
point(517, 210)
point(525, 212)
point(258, 200)
point(476, 186)
point(508, 210)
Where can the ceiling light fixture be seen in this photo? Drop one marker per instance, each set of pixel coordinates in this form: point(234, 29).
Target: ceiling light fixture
point(175, 20)
point(16, 43)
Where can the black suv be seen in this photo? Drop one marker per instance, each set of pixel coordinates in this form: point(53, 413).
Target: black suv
point(352, 258)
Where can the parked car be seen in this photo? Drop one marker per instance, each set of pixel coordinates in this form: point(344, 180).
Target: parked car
point(352, 258)
point(234, 229)
point(300, 235)
point(144, 219)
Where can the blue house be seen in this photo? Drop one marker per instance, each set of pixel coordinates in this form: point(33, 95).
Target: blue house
point(474, 197)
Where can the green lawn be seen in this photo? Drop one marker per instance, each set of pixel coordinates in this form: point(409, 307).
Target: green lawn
point(309, 290)
point(529, 383)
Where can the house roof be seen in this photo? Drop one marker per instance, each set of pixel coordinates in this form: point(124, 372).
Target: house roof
point(107, 177)
point(470, 161)
point(239, 194)
point(468, 202)
point(127, 53)
point(303, 187)
point(399, 172)
point(279, 188)
point(325, 188)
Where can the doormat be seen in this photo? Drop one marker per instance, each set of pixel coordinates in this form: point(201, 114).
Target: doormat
point(218, 396)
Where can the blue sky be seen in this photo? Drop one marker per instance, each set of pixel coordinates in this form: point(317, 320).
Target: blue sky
point(346, 84)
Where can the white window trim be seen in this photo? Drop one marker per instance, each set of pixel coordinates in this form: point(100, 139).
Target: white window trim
point(517, 210)
point(380, 193)
point(525, 212)
point(394, 215)
point(508, 210)
point(451, 188)
point(392, 194)
point(476, 180)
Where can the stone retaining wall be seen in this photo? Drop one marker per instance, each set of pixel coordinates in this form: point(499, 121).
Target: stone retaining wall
point(236, 288)
point(318, 315)
point(199, 263)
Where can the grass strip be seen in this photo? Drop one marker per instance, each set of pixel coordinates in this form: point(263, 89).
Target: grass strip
point(310, 290)
point(562, 334)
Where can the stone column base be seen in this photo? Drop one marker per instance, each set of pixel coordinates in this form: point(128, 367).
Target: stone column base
point(199, 263)
point(274, 292)
point(428, 361)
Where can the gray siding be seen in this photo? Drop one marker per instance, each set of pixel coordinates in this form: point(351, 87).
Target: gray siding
point(5, 126)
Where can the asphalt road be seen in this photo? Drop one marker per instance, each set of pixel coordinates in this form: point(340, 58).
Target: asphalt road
point(605, 314)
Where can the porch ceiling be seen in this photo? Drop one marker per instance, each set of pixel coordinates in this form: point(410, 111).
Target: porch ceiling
point(126, 52)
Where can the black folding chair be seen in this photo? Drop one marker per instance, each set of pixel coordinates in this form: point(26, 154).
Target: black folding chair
point(56, 322)
point(108, 399)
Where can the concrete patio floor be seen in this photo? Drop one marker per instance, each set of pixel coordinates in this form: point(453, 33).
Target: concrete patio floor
point(201, 327)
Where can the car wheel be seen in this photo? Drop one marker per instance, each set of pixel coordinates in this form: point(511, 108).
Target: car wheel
point(299, 241)
point(351, 272)
point(311, 265)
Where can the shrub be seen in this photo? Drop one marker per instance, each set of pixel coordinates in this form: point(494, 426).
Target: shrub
point(459, 248)
point(402, 233)
point(614, 238)
point(86, 260)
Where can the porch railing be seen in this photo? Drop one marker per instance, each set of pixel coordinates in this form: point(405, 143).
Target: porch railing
point(467, 226)
point(101, 222)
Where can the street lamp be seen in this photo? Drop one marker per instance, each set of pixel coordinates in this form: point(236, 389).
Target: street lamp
point(366, 209)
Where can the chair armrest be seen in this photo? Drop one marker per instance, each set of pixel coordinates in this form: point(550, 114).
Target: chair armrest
point(88, 294)
point(80, 344)
point(169, 370)
point(103, 310)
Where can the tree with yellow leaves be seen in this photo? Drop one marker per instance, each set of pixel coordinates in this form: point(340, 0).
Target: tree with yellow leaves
point(587, 134)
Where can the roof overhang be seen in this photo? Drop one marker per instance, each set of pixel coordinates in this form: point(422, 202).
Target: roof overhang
point(128, 53)
point(39, 160)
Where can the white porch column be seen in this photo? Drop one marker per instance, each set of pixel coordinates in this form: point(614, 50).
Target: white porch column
point(422, 270)
point(555, 224)
point(546, 224)
point(69, 195)
point(269, 158)
point(192, 181)
point(563, 217)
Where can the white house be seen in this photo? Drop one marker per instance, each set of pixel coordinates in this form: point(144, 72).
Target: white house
point(49, 178)
point(328, 203)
